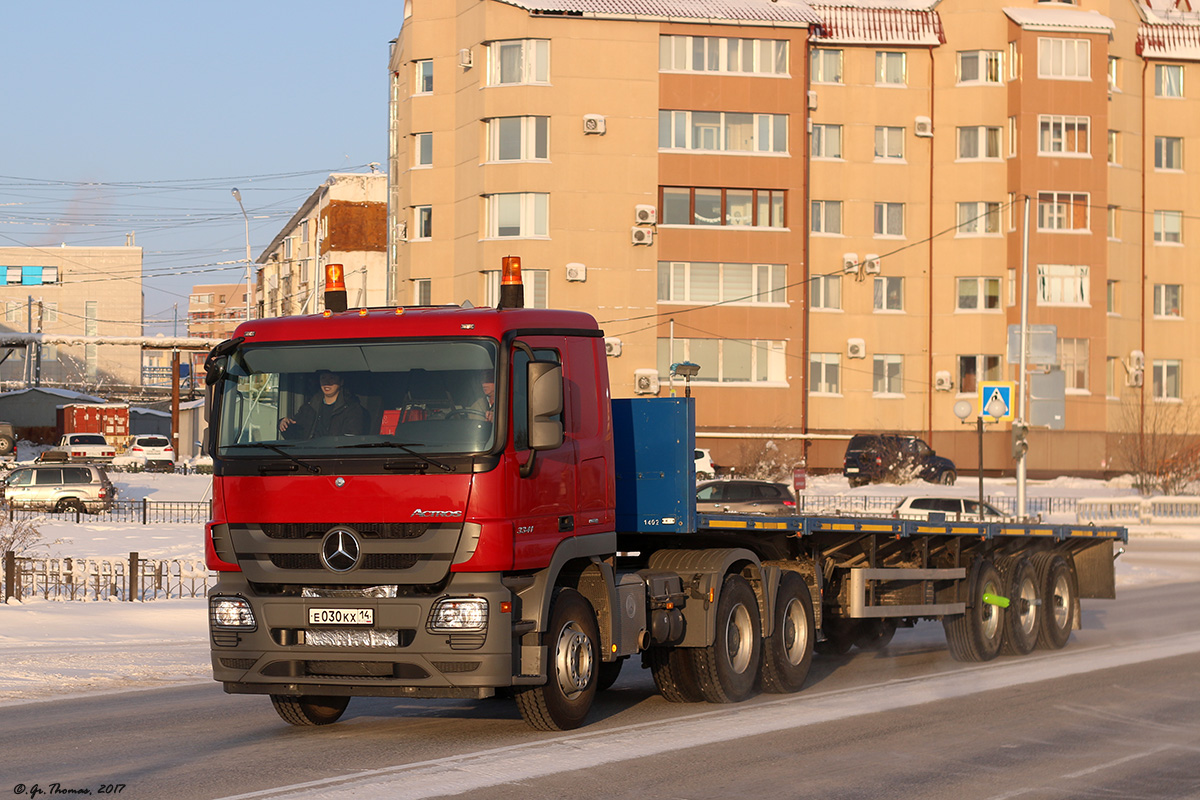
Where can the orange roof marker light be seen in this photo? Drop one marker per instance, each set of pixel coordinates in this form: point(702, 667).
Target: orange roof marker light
point(512, 291)
point(335, 287)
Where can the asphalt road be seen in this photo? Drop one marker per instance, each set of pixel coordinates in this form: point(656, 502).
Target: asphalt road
point(1114, 715)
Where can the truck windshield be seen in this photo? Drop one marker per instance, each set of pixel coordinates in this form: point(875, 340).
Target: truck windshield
point(394, 399)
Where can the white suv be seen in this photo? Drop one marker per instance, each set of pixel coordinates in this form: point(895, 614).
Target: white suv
point(155, 449)
point(954, 509)
point(705, 468)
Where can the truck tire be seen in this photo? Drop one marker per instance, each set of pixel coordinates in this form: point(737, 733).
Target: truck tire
point(976, 634)
point(7, 444)
point(788, 651)
point(727, 669)
point(309, 709)
point(840, 636)
point(573, 652)
point(875, 634)
point(1057, 590)
point(674, 674)
point(1023, 617)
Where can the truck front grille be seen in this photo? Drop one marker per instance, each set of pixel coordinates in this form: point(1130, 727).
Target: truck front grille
point(369, 530)
point(370, 561)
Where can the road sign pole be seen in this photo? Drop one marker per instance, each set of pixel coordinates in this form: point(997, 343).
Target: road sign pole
point(1022, 505)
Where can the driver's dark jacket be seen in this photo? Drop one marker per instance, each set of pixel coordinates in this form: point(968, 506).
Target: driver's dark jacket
point(316, 418)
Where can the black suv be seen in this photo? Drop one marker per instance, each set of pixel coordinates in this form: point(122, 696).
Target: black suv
point(895, 458)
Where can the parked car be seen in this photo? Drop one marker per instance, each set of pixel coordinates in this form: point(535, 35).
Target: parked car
point(955, 509)
point(155, 449)
point(87, 447)
point(60, 487)
point(745, 497)
point(705, 468)
point(877, 458)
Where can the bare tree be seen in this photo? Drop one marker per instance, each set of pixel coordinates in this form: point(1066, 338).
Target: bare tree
point(19, 535)
point(1159, 445)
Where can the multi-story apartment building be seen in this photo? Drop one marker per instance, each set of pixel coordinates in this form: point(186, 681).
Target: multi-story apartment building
point(216, 309)
point(824, 206)
point(72, 291)
point(342, 222)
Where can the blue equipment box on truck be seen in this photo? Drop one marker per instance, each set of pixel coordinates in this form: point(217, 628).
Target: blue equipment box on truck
point(654, 441)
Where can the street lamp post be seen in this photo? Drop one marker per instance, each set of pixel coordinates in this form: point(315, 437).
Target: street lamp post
point(249, 263)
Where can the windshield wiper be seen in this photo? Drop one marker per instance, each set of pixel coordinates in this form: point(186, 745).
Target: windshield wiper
point(311, 468)
point(406, 448)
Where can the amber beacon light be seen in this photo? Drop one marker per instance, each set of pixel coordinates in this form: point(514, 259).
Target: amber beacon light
point(512, 291)
point(335, 287)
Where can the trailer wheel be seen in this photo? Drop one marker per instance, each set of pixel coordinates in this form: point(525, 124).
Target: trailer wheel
point(875, 634)
point(674, 674)
point(840, 635)
point(609, 672)
point(309, 709)
point(572, 644)
point(1023, 617)
point(1056, 587)
point(976, 634)
point(728, 668)
point(788, 651)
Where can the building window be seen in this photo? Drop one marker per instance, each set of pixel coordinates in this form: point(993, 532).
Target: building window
point(1114, 216)
point(978, 219)
point(730, 284)
point(1064, 59)
point(889, 142)
point(1114, 74)
point(519, 61)
point(1012, 137)
point(1168, 300)
point(826, 141)
point(422, 291)
point(422, 150)
point(719, 54)
point(825, 65)
point(889, 219)
point(719, 131)
point(519, 215)
point(1012, 61)
point(1168, 80)
point(422, 222)
point(728, 360)
point(1112, 374)
point(1168, 227)
point(49, 312)
point(978, 294)
point(758, 208)
point(1063, 285)
point(518, 138)
point(1111, 297)
point(423, 76)
point(1059, 135)
point(31, 276)
point(1168, 152)
point(973, 369)
point(979, 66)
point(1073, 358)
point(889, 68)
point(1063, 211)
point(827, 216)
point(824, 373)
point(1167, 379)
point(889, 293)
point(535, 281)
point(888, 374)
point(978, 141)
point(826, 292)
point(1114, 148)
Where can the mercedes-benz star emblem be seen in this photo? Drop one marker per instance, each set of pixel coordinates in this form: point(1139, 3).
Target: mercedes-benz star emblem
point(340, 550)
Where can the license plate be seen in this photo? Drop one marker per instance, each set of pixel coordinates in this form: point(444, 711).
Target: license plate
point(341, 616)
point(851, 469)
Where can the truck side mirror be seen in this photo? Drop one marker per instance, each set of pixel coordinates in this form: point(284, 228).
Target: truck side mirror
point(545, 404)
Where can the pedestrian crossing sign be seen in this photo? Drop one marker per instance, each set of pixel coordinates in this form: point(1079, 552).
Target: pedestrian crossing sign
point(996, 400)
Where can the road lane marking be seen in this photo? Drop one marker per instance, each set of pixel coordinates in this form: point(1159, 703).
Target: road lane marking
point(473, 771)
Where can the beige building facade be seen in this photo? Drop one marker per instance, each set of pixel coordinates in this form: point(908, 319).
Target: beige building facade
point(72, 291)
point(823, 206)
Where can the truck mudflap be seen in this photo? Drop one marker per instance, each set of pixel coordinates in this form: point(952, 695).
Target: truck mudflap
point(373, 642)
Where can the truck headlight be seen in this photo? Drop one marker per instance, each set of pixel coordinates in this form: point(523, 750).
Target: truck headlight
point(459, 615)
point(230, 612)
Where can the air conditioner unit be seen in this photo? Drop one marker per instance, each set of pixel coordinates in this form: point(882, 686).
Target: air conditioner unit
point(576, 272)
point(594, 123)
point(850, 264)
point(612, 346)
point(923, 127)
point(402, 230)
point(645, 214)
point(942, 381)
point(1137, 360)
point(642, 235)
point(856, 348)
point(645, 381)
point(812, 101)
point(871, 264)
point(1135, 377)
point(465, 59)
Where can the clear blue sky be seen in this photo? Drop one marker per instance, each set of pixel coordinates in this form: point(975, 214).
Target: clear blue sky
point(142, 116)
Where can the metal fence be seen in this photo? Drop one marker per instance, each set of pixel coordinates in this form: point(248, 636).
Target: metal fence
point(146, 512)
point(127, 579)
point(883, 504)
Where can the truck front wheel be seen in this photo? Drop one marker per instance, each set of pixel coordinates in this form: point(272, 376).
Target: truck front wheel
point(309, 709)
point(728, 668)
point(788, 651)
point(572, 646)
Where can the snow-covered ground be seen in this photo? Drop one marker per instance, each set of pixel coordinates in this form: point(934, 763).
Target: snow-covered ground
point(52, 649)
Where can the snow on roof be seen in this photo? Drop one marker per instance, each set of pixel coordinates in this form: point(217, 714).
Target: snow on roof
point(880, 24)
point(769, 11)
point(78, 397)
point(1059, 19)
point(152, 412)
point(1177, 42)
